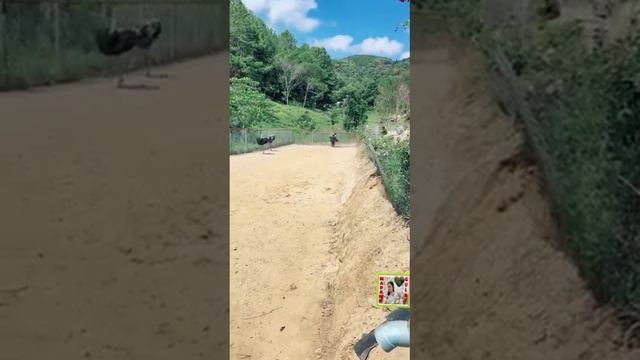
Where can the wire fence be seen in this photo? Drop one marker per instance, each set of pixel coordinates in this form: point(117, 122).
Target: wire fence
point(388, 148)
point(245, 140)
point(47, 42)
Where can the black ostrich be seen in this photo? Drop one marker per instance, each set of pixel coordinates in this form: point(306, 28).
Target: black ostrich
point(265, 142)
point(114, 43)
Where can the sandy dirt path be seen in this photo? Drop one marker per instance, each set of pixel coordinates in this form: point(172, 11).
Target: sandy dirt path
point(107, 201)
point(281, 208)
point(289, 245)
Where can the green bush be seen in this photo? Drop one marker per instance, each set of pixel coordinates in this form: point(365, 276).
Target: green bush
point(393, 156)
point(247, 105)
point(305, 122)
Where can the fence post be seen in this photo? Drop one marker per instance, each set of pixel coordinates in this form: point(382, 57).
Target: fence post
point(3, 53)
point(57, 39)
point(196, 22)
point(216, 33)
point(140, 12)
point(174, 23)
point(246, 144)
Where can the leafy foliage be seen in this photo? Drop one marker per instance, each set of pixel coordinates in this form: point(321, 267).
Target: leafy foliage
point(305, 122)
point(354, 105)
point(393, 97)
point(367, 71)
point(247, 105)
point(394, 157)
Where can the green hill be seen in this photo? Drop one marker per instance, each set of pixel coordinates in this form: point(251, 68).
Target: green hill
point(286, 116)
point(368, 72)
point(360, 68)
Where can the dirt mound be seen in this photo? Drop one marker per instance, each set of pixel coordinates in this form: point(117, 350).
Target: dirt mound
point(369, 237)
point(492, 283)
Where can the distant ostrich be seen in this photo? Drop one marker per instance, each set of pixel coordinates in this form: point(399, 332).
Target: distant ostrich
point(265, 142)
point(115, 42)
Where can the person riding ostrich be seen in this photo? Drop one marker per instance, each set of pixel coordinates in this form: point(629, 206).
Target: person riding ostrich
point(114, 43)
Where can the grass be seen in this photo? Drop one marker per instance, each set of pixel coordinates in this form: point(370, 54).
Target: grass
point(393, 157)
point(286, 116)
point(373, 117)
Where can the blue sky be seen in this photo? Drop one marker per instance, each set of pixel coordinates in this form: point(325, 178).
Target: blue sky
point(343, 27)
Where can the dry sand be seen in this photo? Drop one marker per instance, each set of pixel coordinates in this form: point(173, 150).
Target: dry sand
point(310, 226)
point(107, 205)
point(488, 278)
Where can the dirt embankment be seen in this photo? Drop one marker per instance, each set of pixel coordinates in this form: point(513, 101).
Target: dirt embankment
point(369, 237)
point(489, 278)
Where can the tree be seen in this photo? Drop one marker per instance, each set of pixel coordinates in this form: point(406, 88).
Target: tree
point(286, 42)
point(282, 70)
point(252, 47)
point(336, 116)
point(320, 77)
point(247, 105)
point(310, 75)
point(355, 106)
point(290, 76)
point(393, 99)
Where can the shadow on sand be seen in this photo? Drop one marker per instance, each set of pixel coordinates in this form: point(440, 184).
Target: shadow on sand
point(138, 87)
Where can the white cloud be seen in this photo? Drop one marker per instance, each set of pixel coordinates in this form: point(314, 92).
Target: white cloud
point(405, 55)
point(335, 43)
point(255, 5)
point(382, 46)
point(288, 12)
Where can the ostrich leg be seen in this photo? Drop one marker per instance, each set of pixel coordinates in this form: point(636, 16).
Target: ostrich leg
point(123, 67)
point(151, 61)
point(120, 72)
point(147, 59)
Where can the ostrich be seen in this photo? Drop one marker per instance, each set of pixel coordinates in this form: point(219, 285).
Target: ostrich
point(114, 42)
point(265, 142)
